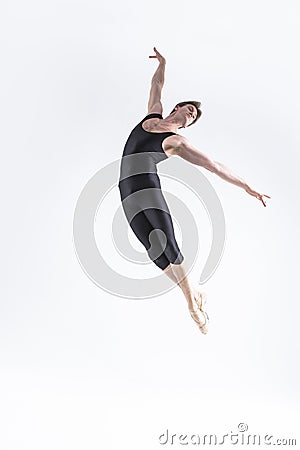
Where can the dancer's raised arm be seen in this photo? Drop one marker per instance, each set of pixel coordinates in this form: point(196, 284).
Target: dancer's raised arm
point(190, 153)
point(158, 79)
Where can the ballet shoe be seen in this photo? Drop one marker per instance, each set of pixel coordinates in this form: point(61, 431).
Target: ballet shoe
point(200, 313)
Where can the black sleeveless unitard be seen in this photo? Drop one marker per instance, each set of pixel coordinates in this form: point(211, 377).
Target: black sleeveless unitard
point(142, 199)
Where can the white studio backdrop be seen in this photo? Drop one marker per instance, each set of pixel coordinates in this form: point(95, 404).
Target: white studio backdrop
point(81, 368)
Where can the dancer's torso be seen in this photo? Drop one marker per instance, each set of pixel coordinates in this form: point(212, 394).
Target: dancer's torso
point(142, 152)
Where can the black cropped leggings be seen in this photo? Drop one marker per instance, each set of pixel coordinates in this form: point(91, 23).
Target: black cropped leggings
point(154, 229)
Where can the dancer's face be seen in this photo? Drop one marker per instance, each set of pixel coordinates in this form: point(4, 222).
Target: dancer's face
point(188, 113)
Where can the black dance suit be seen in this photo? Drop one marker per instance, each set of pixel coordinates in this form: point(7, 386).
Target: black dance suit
point(138, 172)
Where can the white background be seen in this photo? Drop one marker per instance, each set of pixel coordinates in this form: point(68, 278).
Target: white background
point(81, 368)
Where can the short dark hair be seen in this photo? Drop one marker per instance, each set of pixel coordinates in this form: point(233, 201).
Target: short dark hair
point(191, 102)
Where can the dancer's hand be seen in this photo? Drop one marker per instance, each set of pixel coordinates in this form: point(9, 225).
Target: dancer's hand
point(160, 58)
point(257, 195)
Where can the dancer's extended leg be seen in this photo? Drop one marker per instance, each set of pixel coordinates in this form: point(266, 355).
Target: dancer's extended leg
point(192, 294)
point(169, 272)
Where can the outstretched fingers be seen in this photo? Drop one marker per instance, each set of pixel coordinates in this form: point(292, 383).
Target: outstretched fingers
point(158, 56)
point(154, 56)
point(260, 197)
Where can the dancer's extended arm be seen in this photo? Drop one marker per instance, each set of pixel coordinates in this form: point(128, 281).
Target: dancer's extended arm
point(158, 79)
point(190, 153)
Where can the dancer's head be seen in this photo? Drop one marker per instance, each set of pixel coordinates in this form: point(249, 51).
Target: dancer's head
point(190, 110)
